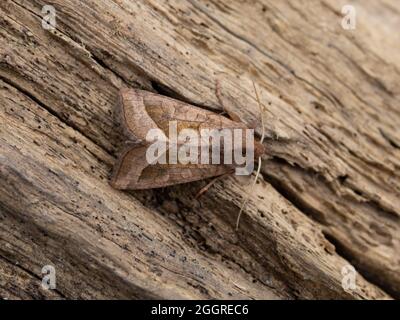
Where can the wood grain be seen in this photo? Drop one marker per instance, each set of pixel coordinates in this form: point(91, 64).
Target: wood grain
point(330, 189)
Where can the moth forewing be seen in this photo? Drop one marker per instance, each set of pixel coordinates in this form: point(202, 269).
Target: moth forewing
point(142, 112)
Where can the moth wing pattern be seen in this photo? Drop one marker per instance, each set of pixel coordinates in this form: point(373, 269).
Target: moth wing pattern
point(142, 110)
point(133, 116)
point(132, 171)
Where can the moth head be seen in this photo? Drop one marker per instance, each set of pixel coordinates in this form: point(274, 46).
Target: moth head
point(259, 149)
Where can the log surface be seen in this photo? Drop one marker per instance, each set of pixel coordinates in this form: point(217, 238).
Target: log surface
point(329, 195)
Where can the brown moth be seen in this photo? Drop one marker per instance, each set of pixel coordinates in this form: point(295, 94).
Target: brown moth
point(141, 111)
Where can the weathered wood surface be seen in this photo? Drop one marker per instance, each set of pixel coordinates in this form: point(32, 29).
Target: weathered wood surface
point(329, 196)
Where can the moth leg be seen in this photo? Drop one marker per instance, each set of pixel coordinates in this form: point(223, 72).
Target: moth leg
point(210, 184)
point(230, 113)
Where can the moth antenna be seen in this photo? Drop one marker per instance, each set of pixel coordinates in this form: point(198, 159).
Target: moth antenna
point(259, 158)
point(219, 95)
point(261, 106)
point(247, 197)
